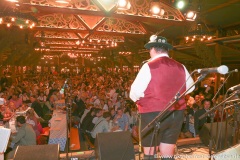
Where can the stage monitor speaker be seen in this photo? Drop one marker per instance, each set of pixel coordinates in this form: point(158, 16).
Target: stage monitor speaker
point(226, 132)
point(37, 152)
point(232, 153)
point(114, 146)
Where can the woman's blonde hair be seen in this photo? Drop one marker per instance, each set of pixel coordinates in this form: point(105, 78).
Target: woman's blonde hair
point(30, 112)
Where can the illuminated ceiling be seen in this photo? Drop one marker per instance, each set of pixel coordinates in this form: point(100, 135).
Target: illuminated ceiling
point(88, 24)
point(98, 26)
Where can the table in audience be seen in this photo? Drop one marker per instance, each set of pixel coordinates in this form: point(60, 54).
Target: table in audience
point(58, 129)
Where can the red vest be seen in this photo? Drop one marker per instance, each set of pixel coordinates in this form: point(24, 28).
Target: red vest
point(167, 77)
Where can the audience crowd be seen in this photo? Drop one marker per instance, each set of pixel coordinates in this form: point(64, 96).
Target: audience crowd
point(99, 103)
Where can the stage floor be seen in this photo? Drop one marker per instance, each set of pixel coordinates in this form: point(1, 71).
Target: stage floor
point(186, 152)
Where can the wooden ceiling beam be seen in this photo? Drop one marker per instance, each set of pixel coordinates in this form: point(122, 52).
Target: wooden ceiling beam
point(86, 31)
point(228, 3)
point(187, 54)
point(57, 39)
point(231, 47)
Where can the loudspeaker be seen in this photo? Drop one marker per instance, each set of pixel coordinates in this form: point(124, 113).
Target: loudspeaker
point(37, 152)
point(228, 154)
point(226, 131)
point(114, 146)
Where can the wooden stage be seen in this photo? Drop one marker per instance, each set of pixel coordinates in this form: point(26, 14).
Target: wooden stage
point(187, 144)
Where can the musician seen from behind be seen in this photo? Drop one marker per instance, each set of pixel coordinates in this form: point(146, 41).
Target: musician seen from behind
point(157, 82)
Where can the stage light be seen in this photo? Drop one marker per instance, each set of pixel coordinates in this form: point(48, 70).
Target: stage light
point(156, 9)
point(191, 16)
point(15, 1)
point(180, 4)
point(123, 4)
point(63, 1)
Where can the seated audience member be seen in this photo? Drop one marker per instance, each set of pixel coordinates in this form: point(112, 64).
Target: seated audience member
point(121, 119)
point(113, 113)
point(17, 101)
point(80, 106)
point(36, 106)
point(133, 118)
point(191, 114)
point(105, 106)
point(189, 100)
point(98, 113)
point(87, 124)
point(88, 108)
point(193, 110)
point(42, 97)
point(197, 100)
point(25, 98)
point(49, 105)
point(33, 121)
point(25, 135)
point(101, 125)
point(7, 113)
point(12, 107)
point(198, 124)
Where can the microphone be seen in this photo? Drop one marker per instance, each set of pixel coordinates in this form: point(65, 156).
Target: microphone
point(234, 88)
point(235, 70)
point(221, 69)
point(64, 86)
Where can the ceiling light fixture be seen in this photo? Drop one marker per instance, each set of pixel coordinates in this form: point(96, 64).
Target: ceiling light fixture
point(123, 4)
point(180, 4)
point(63, 1)
point(199, 31)
point(15, 1)
point(156, 9)
point(16, 18)
point(191, 15)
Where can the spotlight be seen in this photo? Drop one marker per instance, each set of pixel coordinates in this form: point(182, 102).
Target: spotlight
point(62, 1)
point(191, 15)
point(156, 9)
point(123, 4)
point(15, 1)
point(180, 4)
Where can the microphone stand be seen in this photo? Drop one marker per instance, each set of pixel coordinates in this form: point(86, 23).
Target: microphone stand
point(236, 124)
point(156, 122)
point(212, 112)
point(212, 120)
point(68, 103)
point(221, 86)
